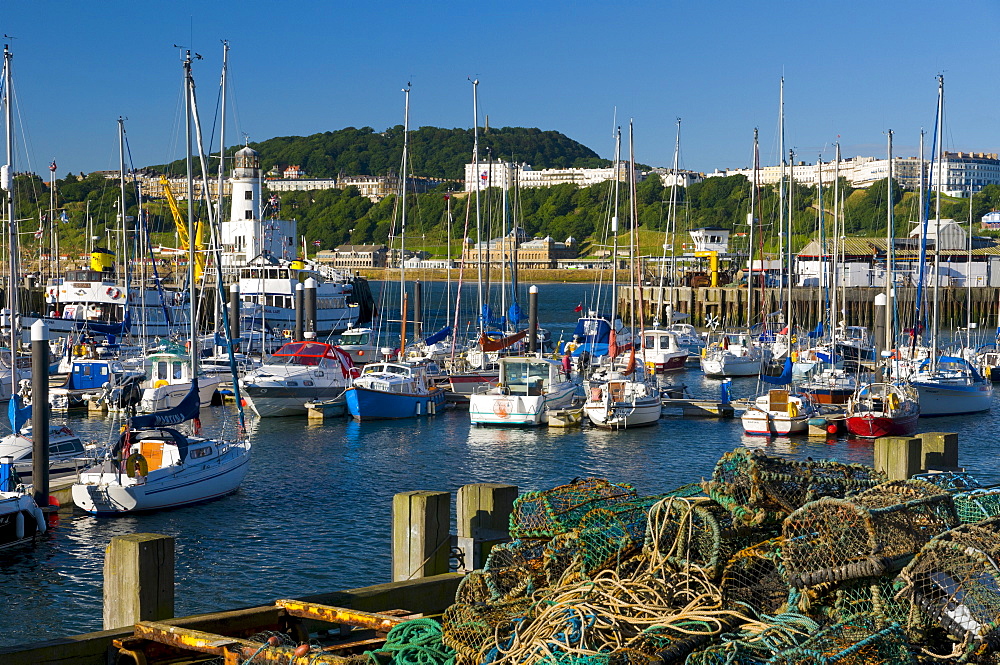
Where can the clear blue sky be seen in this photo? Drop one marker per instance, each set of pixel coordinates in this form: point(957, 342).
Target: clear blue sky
point(853, 69)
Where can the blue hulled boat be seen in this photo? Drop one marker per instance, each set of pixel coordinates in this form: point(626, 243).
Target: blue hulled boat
point(393, 390)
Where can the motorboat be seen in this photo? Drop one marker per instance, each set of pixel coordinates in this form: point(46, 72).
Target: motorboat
point(297, 373)
point(359, 343)
point(88, 378)
point(883, 409)
point(778, 412)
point(170, 378)
point(661, 351)
point(529, 387)
point(153, 466)
point(393, 390)
point(67, 451)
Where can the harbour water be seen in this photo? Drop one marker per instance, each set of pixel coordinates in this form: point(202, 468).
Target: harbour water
point(314, 513)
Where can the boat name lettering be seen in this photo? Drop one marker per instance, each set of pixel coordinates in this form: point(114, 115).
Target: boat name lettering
point(81, 285)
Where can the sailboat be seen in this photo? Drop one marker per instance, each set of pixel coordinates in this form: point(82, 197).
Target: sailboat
point(395, 390)
point(947, 385)
point(626, 399)
point(153, 465)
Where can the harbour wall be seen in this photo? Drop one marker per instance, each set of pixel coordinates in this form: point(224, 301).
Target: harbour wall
point(728, 305)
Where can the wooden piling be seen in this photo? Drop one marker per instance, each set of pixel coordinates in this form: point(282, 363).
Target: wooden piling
point(483, 511)
point(138, 579)
point(939, 451)
point(899, 457)
point(421, 538)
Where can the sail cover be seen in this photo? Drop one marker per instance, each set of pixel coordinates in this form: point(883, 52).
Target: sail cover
point(188, 409)
point(784, 378)
point(489, 344)
point(438, 336)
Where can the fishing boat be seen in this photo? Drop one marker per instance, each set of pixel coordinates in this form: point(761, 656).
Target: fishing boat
point(883, 409)
point(393, 390)
point(359, 344)
point(20, 517)
point(778, 413)
point(529, 388)
point(89, 377)
point(297, 373)
point(829, 386)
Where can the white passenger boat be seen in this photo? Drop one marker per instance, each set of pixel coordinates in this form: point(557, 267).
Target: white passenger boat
point(529, 387)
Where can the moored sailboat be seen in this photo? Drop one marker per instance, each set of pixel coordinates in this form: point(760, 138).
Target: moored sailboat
point(883, 409)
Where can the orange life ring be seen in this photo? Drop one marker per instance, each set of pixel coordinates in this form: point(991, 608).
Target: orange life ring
point(114, 292)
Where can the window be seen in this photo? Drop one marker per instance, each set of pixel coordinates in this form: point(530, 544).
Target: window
point(248, 195)
point(201, 452)
point(249, 214)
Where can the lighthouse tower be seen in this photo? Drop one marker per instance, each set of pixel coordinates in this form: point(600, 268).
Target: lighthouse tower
point(248, 235)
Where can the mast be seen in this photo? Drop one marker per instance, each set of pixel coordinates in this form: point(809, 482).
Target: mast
point(8, 183)
point(122, 204)
point(751, 219)
point(479, 225)
point(937, 218)
point(673, 213)
point(222, 138)
point(402, 226)
point(824, 281)
point(781, 188)
point(835, 266)
point(193, 309)
point(614, 229)
point(447, 299)
point(890, 251)
point(788, 247)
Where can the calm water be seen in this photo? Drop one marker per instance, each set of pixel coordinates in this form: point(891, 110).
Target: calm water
point(314, 513)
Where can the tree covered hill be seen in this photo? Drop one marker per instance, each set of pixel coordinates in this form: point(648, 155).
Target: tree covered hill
point(434, 152)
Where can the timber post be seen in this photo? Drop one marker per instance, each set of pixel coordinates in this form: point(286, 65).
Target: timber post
point(421, 538)
point(483, 511)
point(939, 451)
point(138, 579)
point(898, 457)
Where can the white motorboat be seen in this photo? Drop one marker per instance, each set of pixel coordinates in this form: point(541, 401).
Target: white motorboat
point(297, 373)
point(66, 449)
point(661, 350)
point(169, 381)
point(529, 387)
point(951, 387)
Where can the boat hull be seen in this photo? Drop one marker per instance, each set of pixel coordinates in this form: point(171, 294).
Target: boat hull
point(625, 415)
point(20, 519)
point(764, 424)
point(169, 396)
point(368, 404)
point(943, 400)
point(518, 410)
point(281, 401)
point(104, 494)
point(730, 366)
point(871, 426)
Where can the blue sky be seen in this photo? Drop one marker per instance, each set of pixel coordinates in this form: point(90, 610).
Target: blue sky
point(852, 69)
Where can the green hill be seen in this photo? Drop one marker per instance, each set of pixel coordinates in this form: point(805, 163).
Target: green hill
point(435, 152)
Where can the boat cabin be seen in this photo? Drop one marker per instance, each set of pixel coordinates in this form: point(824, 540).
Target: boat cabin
point(528, 376)
point(394, 378)
point(659, 340)
point(168, 368)
point(307, 354)
point(355, 337)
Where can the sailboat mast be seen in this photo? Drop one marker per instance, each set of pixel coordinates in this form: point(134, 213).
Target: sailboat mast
point(890, 251)
point(673, 212)
point(8, 183)
point(788, 247)
point(122, 207)
point(823, 280)
point(222, 137)
point(937, 217)
point(447, 299)
point(781, 188)
point(835, 266)
point(751, 218)
point(402, 215)
point(193, 309)
point(614, 228)
point(479, 225)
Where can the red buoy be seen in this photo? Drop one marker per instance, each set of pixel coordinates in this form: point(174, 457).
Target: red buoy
point(832, 428)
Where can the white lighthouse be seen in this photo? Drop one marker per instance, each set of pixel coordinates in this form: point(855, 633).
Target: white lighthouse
point(247, 235)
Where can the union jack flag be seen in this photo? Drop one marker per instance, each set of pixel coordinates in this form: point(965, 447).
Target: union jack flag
point(317, 243)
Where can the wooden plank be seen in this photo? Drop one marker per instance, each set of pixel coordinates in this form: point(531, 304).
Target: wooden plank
point(341, 615)
point(421, 534)
point(138, 579)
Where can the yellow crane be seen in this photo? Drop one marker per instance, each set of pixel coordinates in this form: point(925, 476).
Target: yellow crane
point(182, 231)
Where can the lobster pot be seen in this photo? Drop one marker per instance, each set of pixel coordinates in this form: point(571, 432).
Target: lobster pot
point(977, 505)
point(696, 532)
point(953, 481)
point(513, 570)
point(609, 536)
point(757, 646)
point(756, 577)
point(760, 490)
point(849, 644)
point(551, 512)
point(831, 540)
point(473, 630)
point(955, 581)
point(874, 598)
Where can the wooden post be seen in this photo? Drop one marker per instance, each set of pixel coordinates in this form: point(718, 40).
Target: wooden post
point(939, 450)
point(898, 457)
point(138, 579)
point(421, 538)
point(483, 511)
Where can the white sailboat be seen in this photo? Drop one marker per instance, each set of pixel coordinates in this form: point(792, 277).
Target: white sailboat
point(153, 465)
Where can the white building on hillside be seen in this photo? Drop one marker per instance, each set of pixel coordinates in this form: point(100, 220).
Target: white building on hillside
point(965, 173)
point(509, 174)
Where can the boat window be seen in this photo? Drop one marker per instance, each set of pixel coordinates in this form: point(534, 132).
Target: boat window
point(178, 370)
point(201, 452)
point(161, 370)
point(650, 342)
point(664, 342)
point(68, 446)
